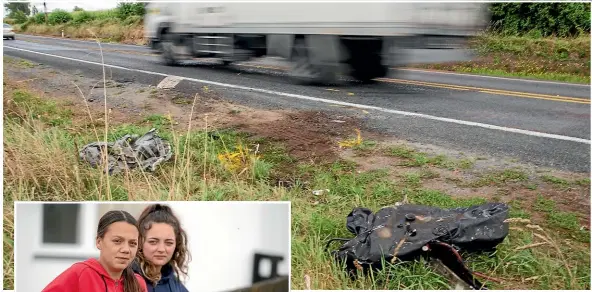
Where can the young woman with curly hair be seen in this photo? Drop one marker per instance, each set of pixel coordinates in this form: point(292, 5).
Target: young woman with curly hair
point(163, 255)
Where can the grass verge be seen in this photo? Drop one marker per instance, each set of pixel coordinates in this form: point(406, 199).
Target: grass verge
point(557, 59)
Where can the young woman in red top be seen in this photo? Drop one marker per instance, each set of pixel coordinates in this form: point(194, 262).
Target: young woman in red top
point(117, 240)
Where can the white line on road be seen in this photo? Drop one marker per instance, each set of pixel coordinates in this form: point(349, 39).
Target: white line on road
point(169, 82)
point(329, 101)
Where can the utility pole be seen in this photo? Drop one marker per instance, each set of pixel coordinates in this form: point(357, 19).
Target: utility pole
point(45, 9)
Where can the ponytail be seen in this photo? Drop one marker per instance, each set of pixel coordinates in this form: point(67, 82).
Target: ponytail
point(159, 213)
point(157, 208)
point(130, 282)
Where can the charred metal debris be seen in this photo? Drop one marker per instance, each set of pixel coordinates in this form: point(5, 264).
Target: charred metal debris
point(407, 232)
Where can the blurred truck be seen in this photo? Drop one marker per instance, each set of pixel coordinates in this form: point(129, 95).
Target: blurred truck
point(321, 41)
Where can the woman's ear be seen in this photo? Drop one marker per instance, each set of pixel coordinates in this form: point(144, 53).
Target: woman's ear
point(98, 243)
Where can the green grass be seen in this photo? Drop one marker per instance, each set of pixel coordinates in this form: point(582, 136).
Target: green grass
point(414, 158)
point(365, 147)
point(543, 58)
point(499, 177)
point(545, 76)
point(38, 130)
point(564, 184)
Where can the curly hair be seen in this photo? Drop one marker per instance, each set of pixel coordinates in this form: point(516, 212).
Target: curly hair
point(158, 213)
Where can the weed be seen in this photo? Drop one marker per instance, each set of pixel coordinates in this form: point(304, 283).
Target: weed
point(466, 163)
point(566, 220)
point(418, 159)
point(365, 146)
point(543, 204)
point(585, 182)
point(428, 174)
point(555, 180)
point(401, 151)
point(500, 177)
point(413, 179)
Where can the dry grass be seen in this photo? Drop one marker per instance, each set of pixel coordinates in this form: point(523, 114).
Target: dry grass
point(107, 31)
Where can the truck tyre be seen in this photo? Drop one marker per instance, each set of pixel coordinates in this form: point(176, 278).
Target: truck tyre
point(303, 72)
point(301, 69)
point(167, 46)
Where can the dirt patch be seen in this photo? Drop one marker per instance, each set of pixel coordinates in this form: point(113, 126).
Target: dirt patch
point(308, 135)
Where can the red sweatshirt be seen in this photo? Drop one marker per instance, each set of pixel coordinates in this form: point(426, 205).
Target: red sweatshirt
point(88, 276)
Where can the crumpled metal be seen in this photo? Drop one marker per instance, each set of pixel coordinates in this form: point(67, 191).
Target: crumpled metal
point(406, 232)
point(131, 151)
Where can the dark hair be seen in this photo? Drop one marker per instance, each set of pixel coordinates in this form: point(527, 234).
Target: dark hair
point(158, 213)
point(130, 282)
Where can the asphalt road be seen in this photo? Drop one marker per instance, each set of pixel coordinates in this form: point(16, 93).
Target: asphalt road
point(541, 123)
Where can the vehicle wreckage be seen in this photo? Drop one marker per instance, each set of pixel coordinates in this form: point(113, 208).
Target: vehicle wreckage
point(128, 152)
point(407, 232)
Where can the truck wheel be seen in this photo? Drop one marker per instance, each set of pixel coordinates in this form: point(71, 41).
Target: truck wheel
point(303, 72)
point(167, 47)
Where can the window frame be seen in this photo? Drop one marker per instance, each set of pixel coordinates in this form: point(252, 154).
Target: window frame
point(86, 233)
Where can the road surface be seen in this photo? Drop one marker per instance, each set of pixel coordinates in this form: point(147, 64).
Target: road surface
point(536, 122)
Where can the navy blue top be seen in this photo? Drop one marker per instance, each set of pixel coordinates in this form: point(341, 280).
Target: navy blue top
point(167, 283)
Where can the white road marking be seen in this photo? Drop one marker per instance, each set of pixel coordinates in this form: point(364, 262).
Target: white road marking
point(169, 82)
point(493, 77)
point(329, 101)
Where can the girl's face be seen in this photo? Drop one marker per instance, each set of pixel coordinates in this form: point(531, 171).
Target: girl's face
point(159, 244)
point(119, 246)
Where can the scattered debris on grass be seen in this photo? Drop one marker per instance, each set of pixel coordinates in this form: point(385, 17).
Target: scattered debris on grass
point(128, 152)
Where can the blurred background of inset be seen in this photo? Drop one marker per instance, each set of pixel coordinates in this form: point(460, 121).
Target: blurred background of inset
point(223, 238)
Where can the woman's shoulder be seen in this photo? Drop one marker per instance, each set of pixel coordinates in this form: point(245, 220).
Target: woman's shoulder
point(68, 279)
point(79, 268)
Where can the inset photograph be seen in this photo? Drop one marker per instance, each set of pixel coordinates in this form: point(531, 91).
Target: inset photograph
point(152, 246)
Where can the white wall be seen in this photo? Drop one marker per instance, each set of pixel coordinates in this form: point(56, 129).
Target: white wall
point(222, 239)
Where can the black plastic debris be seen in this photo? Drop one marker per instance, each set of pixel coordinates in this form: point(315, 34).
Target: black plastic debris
point(414, 231)
point(130, 151)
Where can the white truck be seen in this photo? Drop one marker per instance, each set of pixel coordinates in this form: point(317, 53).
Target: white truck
point(321, 41)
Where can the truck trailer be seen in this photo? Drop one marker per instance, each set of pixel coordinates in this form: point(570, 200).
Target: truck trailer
point(321, 40)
